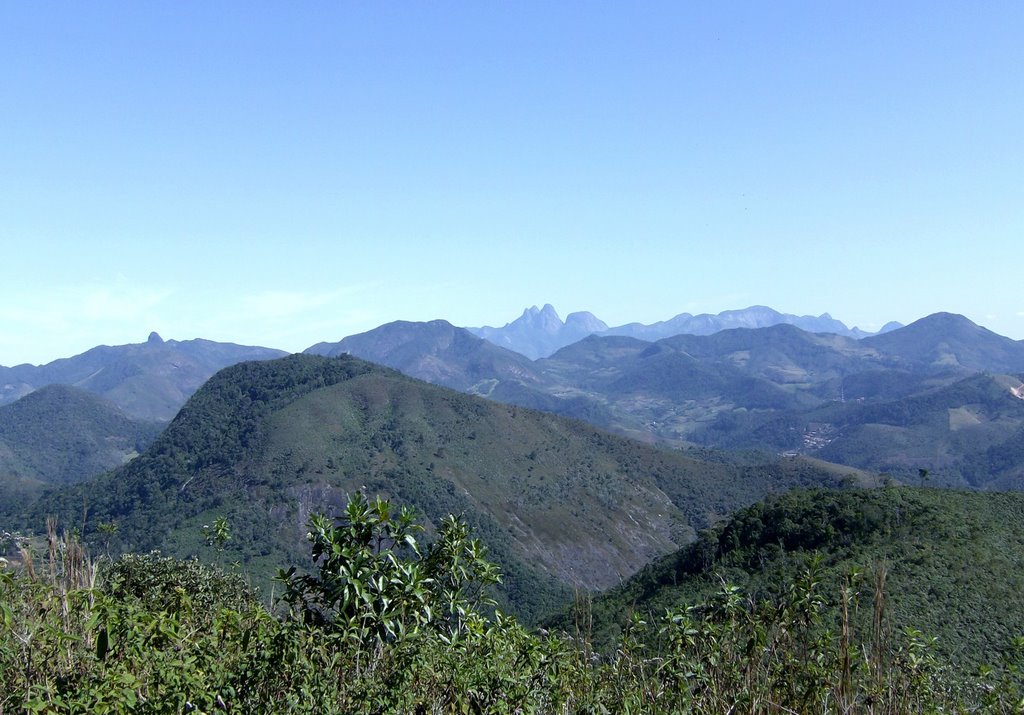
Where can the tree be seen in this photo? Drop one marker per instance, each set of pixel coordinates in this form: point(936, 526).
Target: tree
point(374, 585)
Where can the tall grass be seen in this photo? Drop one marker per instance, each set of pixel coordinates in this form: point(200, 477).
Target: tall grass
point(155, 635)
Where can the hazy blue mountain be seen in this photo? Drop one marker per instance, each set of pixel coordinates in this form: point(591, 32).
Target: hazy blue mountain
point(778, 388)
point(670, 389)
point(784, 354)
point(149, 380)
point(950, 341)
point(439, 353)
point(756, 316)
point(540, 333)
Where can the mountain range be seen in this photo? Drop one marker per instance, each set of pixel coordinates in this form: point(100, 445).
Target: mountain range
point(149, 381)
point(560, 503)
point(778, 388)
point(152, 380)
point(538, 333)
point(267, 442)
point(733, 427)
point(874, 403)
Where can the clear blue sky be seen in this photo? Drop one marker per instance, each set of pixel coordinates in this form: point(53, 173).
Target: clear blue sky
point(285, 173)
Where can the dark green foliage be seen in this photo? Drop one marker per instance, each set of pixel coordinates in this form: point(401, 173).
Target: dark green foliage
point(954, 562)
point(373, 586)
point(202, 453)
point(62, 435)
point(158, 582)
point(183, 638)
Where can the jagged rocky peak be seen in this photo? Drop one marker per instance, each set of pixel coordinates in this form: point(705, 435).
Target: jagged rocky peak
point(545, 318)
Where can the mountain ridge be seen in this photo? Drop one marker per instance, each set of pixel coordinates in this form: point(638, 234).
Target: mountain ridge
point(149, 380)
point(266, 443)
point(779, 388)
point(539, 333)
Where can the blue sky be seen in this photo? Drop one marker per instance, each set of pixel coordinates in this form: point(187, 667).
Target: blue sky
point(281, 174)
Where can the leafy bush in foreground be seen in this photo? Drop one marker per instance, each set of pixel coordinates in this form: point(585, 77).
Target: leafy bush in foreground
point(382, 626)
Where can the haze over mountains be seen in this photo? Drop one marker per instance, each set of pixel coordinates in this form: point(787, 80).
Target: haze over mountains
point(149, 381)
point(538, 333)
point(941, 394)
point(778, 388)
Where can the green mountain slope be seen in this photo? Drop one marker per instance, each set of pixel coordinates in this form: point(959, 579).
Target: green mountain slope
point(439, 353)
point(63, 435)
point(560, 503)
point(954, 562)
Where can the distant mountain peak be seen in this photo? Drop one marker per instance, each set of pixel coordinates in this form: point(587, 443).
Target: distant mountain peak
point(586, 321)
point(548, 309)
point(539, 332)
point(545, 319)
point(950, 340)
point(155, 339)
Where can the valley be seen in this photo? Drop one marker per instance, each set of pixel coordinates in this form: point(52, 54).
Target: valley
point(268, 443)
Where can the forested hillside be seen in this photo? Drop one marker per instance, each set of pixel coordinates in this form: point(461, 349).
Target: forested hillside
point(265, 444)
point(61, 435)
point(952, 564)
